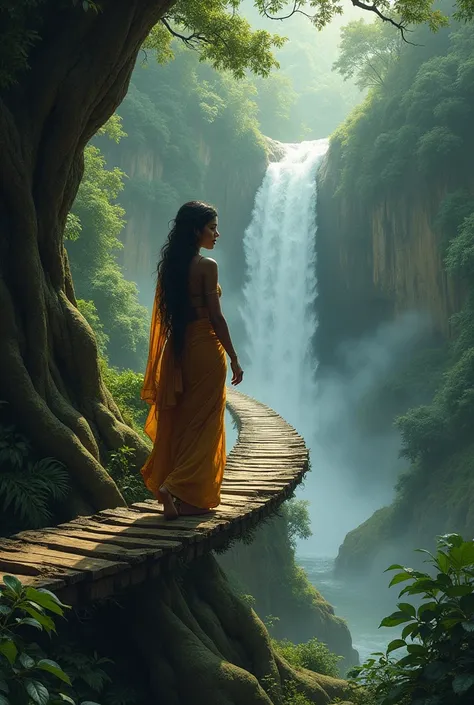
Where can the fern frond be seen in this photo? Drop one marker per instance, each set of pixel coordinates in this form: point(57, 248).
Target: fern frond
point(20, 496)
point(14, 447)
point(52, 474)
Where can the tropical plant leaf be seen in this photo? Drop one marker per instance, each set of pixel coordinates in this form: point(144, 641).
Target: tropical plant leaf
point(53, 668)
point(37, 691)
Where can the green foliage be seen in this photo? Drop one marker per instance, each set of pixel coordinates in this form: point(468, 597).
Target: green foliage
point(460, 255)
point(292, 696)
point(224, 38)
point(125, 387)
point(27, 675)
point(437, 666)
point(367, 51)
point(298, 520)
point(416, 121)
point(313, 655)
point(431, 431)
point(18, 33)
point(108, 301)
point(86, 672)
point(89, 311)
point(30, 487)
point(121, 466)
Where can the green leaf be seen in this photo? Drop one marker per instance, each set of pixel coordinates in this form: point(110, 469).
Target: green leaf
point(4, 687)
point(395, 566)
point(5, 610)
point(409, 629)
point(395, 619)
point(458, 590)
point(26, 661)
point(31, 623)
point(410, 660)
point(436, 670)
point(462, 683)
point(468, 626)
point(9, 650)
point(428, 610)
point(53, 668)
point(450, 540)
point(400, 578)
point(45, 600)
point(37, 691)
point(395, 644)
point(4, 700)
point(467, 603)
point(416, 649)
point(463, 556)
point(13, 583)
point(407, 607)
point(66, 698)
point(43, 619)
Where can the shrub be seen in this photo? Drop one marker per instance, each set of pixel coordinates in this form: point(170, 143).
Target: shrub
point(437, 667)
point(27, 675)
point(130, 483)
point(313, 655)
point(30, 486)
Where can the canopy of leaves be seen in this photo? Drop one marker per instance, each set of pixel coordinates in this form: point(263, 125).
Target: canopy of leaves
point(367, 51)
point(214, 27)
point(417, 120)
point(109, 301)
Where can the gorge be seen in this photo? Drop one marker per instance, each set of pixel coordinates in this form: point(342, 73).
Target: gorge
point(346, 212)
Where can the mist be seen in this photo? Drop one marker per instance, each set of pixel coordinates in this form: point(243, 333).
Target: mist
point(354, 470)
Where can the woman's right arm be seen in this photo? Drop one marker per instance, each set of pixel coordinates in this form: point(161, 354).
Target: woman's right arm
point(217, 318)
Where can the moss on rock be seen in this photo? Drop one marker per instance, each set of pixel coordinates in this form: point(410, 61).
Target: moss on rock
point(202, 645)
point(266, 570)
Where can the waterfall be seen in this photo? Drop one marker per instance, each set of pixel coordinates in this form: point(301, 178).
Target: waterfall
point(281, 285)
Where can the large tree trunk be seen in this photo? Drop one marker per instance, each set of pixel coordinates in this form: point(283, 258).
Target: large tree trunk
point(49, 371)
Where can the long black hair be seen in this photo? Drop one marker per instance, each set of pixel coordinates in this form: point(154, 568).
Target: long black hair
point(179, 249)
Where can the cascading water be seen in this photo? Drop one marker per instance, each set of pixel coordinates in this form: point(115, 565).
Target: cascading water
point(280, 322)
point(281, 287)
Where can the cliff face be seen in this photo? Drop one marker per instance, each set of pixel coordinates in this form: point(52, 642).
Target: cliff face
point(150, 203)
point(266, 570)
point(378, 260)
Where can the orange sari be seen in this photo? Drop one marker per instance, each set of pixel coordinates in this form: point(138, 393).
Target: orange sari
point(186, 417)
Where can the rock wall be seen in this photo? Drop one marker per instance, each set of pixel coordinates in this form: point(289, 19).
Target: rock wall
point(379, 259)
point(266, 570)
point(230, 187)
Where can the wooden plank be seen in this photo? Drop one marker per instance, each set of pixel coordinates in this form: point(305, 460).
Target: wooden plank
point(22, 565)
point(130, 518)
point(121, 547)
point(94, 548)
point(101, 527)
point(128, 542)
point(36, 581)
point(39, 555)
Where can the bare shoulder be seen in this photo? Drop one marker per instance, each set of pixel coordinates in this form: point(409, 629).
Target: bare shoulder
point(209, 264)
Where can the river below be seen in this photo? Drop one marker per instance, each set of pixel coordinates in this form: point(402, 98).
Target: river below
point(360, 604)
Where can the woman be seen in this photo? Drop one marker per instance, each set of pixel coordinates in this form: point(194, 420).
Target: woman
point(185, 376)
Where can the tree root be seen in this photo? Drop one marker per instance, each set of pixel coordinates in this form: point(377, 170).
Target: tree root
point(203, 646)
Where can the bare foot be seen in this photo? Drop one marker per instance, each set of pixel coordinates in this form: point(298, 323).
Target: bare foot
point(169, 510)
point(186, 509)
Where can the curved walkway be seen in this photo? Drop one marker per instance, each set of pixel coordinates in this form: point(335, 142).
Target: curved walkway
point(95, 557)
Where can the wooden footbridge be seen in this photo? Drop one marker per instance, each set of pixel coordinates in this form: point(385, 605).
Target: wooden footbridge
point(94, 557)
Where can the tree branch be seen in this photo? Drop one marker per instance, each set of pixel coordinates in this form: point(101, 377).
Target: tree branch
point(385, 18)
point(356, 3)
point(191, 40)
point(294, 11)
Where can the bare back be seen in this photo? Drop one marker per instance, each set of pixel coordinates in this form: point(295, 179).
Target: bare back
point(201, 286)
